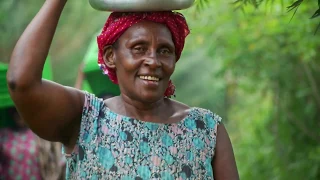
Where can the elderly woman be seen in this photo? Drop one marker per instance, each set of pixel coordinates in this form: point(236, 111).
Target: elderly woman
point(141, 134)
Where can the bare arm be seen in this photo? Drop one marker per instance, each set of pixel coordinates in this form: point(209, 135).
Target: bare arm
point(51, 110)
point(224, 164)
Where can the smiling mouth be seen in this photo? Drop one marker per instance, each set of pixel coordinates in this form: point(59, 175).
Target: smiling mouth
point(150, 78)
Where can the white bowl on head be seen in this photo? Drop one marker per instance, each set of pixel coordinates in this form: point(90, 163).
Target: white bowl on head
point(140, 5)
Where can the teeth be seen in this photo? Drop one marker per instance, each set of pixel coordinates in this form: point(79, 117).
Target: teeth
point(150, 78)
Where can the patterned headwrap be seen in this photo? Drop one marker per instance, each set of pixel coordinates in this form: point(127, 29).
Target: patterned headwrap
point(118, 23)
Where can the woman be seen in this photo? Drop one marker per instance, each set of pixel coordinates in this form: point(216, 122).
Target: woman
point(23, 155)
point(18, 150)
point(141, 134)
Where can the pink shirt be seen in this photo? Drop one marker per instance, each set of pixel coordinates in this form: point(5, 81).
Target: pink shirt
point(19, 155)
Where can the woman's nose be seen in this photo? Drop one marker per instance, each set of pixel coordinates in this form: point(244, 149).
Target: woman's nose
point(152, 60)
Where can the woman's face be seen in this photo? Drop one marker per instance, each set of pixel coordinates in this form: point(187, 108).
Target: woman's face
point(144, 58)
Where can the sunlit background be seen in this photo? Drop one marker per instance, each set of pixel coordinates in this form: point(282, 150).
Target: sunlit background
point(257, 67)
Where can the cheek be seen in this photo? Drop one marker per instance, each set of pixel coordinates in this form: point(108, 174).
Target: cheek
point(126, 65)
point(169, 66)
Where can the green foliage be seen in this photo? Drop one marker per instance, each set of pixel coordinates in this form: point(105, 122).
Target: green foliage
point(271, 75)
point(242, 4)
point(293, 7)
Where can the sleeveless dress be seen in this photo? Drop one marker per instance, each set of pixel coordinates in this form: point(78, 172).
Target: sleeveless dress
point(113, 146)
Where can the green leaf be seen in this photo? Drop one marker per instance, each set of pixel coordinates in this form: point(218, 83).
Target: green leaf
point(316, 14)
point(294, 5)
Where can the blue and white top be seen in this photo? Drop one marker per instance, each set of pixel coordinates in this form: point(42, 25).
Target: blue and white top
point(113, 146)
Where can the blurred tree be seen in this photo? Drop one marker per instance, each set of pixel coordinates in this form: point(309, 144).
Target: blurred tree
point(239, 4)
point(255, 69)
point(271, 74)
point(75, 30)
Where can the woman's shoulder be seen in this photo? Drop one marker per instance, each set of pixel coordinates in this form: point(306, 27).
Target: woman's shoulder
point(177, 105)
point(92, 104)
point(196, 113)
point(95, 106)
point(184, 107)
point(206, 113)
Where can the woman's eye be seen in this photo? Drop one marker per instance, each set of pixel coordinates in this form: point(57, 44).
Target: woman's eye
point(138, 49)
point(164, 51)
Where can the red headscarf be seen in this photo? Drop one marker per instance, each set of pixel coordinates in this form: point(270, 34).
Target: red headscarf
point(118, 23)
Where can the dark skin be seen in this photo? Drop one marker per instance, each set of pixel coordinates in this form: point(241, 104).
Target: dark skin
point(145, 49)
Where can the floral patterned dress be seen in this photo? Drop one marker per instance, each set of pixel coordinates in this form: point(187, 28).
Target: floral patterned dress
point(19, 155)
point(113, 146)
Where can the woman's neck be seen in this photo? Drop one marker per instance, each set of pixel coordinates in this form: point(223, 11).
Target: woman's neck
point(146, 111)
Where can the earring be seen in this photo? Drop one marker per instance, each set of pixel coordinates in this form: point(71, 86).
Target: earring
point(170, 91)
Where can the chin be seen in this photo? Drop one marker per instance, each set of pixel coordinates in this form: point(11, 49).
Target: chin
point(151, 97)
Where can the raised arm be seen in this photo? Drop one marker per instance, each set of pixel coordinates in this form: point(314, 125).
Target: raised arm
point(51, 110)
point(224, 164)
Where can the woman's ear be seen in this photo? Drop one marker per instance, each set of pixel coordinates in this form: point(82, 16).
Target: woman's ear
point(109, 56)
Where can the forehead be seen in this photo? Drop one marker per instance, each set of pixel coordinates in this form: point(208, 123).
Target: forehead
point(146, 29)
